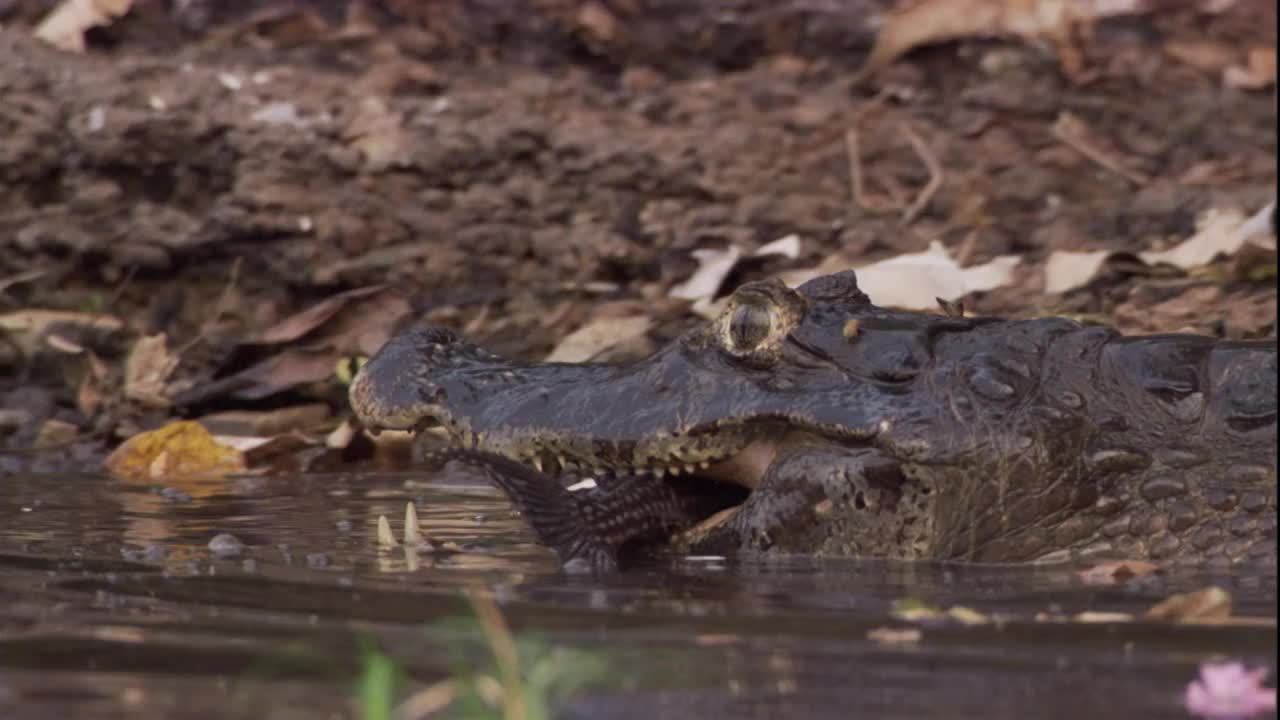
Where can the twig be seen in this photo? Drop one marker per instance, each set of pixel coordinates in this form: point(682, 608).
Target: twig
point(856, 188)
point(966, 249)
point(936, 175)
point(219, 308)
point(1069, 130)
point(504, 652)
point(428, 701)
point(20, 278)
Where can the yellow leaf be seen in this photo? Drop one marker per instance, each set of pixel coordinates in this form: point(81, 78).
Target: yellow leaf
point(180, 450)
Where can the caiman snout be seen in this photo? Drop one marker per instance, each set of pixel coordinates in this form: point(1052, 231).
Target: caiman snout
point(552, 415)
point(405, 384)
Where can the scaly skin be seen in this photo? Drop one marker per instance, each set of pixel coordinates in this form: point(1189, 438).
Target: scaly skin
point(871, 432)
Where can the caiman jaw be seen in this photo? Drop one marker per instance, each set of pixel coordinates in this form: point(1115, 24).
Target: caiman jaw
point(560, 419)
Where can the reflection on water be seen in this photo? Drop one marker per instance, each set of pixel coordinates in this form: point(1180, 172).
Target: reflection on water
point(112, 604)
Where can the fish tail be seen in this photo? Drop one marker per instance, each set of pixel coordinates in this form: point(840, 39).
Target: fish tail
point(559, 519)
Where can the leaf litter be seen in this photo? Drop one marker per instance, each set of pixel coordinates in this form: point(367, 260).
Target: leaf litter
point(1219, 233)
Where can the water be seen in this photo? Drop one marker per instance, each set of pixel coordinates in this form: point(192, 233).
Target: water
point(112, 605)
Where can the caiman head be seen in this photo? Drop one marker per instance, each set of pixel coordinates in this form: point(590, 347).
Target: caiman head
point(776, 362)
point(856, 430)
point(778, 373)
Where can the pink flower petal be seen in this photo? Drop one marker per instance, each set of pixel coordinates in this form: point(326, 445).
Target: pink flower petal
point(1227, 691)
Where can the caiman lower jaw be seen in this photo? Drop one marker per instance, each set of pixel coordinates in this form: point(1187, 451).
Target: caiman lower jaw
point(743, 461)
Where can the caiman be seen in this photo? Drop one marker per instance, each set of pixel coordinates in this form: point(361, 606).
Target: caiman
point(812, 421)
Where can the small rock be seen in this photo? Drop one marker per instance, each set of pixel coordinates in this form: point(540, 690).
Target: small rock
point(54, 433)
point(226, 545)
point(173, 494)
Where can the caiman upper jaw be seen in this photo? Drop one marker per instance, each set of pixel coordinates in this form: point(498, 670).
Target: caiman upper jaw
point(554, 418)
point(393, 391)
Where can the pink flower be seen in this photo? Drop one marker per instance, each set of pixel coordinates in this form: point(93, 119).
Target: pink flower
point(1226, 691)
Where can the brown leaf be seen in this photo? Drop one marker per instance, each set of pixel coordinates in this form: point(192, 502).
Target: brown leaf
point(30, 329)
point(1205, 55)
point(147, 370)
point(299, 324)
point(54, 433)
point(377, 133)
point(917, 281)
point(1211, 603)
point(64, 28)
point(285, 370)
point(1259, 74)
point(1096, 617)
point(923, 22)
point(894, 636)
point(597, 336)
point(183, 449)
point(250, 423)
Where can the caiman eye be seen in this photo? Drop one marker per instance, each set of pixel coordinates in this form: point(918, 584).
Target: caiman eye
point(749, 325)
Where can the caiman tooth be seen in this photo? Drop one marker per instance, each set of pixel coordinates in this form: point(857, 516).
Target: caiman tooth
point(659, 473)
point(689, 469)
point(704, 464)
point(537, 463)
point(674, 470)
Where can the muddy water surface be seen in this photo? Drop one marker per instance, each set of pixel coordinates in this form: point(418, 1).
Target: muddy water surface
point(112, 604)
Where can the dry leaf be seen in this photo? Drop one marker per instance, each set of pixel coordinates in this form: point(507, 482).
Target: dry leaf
point(147, 370)
point(1066, 270)
point(917, 281)
point(1207, 55)
point(266, 423)
point(183, 449)
point(377, 133)
point(29, 330)
point(1211, 603)
point(1094, 616)
point(787, 246)
point(360, 326)
point(597, 336)
point(1218, 233)
point(924, 22)
point(894, 636)
point(243, 443)
point(54, 433)
point(967, 616)
point(713, 267)
point(64, 28)
point(285, 370)
point(299, 324)
point(1258, 75)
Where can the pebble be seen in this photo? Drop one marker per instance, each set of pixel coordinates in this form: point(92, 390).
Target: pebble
point(226, 545)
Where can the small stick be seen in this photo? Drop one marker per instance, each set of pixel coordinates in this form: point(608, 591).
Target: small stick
point(855, 176)
point(936, 174)
point(1068, 129)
